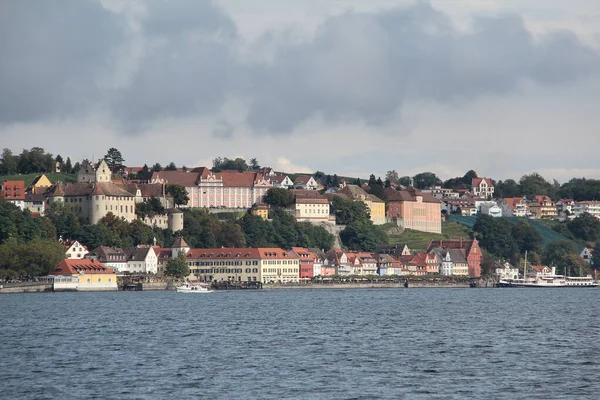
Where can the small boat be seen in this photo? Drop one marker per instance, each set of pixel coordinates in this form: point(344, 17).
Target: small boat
point(192, 288)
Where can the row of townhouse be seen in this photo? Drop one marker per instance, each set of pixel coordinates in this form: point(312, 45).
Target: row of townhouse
point(446, 257)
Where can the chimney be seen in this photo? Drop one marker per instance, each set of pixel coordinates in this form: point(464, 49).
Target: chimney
point(461, 243)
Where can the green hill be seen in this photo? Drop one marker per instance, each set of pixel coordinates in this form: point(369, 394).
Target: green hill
point(418, 241)
point(28, 178)
point(542, 226)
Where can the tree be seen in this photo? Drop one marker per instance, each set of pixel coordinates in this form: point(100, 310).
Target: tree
point(404, 181)
point(34, 258)
point(171, 167)
point(220, 164)
point(157, 167)
point(177, 267)
point(507, 188)
point(179, 193)
point(526, 237)
point(426, 179)
point(35, 160)
point(534, 184)
point(254, 164)
point(348, 211)
point(392, 176)
point(596, 256)
point(581, 189)
point(65, 218)
point(495, 236)
point(114, 160)
point(8, 163)
point(150, 207)
point(585, 227)
point(68, 168)
point(564, 255)
point(278, 197)
point(363, 236)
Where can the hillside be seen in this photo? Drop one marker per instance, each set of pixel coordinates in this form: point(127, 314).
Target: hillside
point(418, 241)
point(28, 178)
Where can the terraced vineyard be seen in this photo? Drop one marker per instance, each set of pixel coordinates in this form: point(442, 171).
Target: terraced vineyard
point(418, 241)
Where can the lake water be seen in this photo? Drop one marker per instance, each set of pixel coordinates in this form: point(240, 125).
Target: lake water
point(302, 344)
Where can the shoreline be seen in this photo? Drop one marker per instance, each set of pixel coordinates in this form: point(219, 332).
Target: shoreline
point(394, 285)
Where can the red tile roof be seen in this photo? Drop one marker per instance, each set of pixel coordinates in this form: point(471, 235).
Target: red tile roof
point(409, 195)
point(477, 182)
point(84, 266)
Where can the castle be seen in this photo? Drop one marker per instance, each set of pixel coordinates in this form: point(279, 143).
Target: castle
point(95, 195)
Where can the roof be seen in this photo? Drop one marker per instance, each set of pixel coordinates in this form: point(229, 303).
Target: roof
point(85, 189)
point(410, 194)
point(277, 178)
point(302, 180)
point(311, 200)
point(513, 201)
point(272, 252)
point(304, 253)
point(353, 192)
point(137, 253)
point(223, 252)
point(13, 190)
point(83, 266)
point(240, 179)
point(185, 179)
point(477, 182)
point(306, 193)
point(451, 244)
point(180, 243)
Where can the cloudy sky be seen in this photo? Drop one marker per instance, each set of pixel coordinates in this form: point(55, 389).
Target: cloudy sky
point(352, 87)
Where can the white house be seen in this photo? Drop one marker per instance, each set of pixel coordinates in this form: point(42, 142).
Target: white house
point(482, 187)
point(590, 207)
point(281, 181)
point(75, 250)
point(514, 207)
point(506, 271)
point(306, 182)
point(587, 254)
point(142, 259)
point(490, 208)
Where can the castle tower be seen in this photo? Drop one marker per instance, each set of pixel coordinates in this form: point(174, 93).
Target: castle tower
point(175, 219)
point(180, 246)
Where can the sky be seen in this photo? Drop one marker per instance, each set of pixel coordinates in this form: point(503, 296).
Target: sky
point(352, 87)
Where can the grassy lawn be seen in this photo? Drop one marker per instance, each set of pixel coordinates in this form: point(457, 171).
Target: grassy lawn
point(418, 241)
point(28, 178)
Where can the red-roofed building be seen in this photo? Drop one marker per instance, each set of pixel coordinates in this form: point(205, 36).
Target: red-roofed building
point(228, 189)
point(514, 207)
point(83, 275)
point(482, 187)
point(306, 260)
point(14, 192)
point(469, 248)
point(542, 207)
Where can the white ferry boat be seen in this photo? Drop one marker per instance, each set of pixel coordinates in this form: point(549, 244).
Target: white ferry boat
point(549, 281)
point(192, 288)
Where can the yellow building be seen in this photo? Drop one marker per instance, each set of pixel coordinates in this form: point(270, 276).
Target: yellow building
point(375, 205)
point(264, 265)
point(224, 264)
point(260, 210)
point(279, 266)
point(40, 184)
point(83, 275)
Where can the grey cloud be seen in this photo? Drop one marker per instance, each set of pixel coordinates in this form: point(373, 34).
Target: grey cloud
point(52, 54)
point(357, 67)
point(365, 66)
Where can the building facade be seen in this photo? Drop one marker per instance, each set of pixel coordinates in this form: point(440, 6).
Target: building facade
point(413, 209)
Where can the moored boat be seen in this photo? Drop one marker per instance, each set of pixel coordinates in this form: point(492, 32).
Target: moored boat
point(192, 288)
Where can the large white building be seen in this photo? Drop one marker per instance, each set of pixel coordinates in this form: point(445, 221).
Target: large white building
point(590, 207)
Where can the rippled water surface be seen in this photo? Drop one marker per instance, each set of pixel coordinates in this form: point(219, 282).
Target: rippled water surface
point(303, 344)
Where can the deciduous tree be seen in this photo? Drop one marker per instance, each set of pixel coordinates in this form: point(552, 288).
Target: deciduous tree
point(177, 267)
